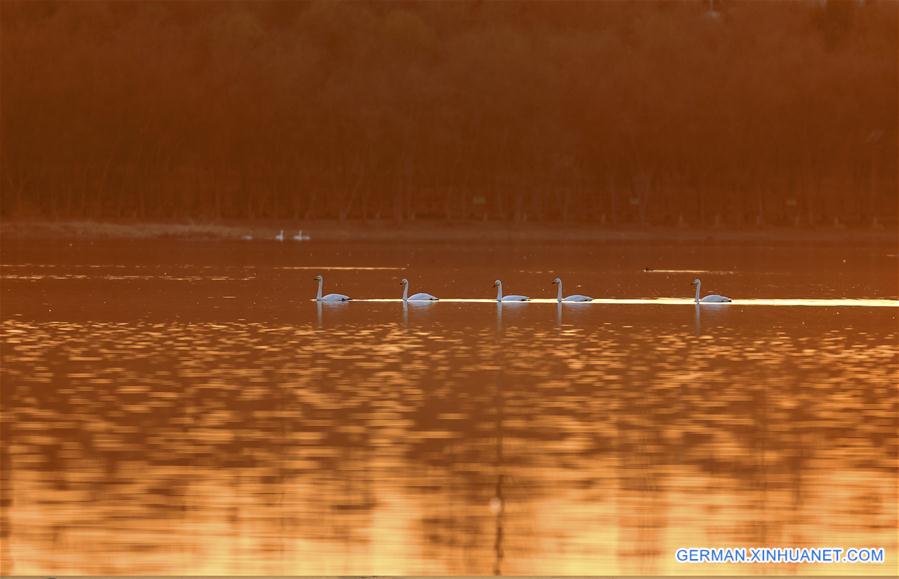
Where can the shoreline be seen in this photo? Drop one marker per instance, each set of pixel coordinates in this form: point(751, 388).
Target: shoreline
point(437, 232)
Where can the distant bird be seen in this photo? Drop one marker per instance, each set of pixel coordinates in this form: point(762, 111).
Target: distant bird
point(330, 297)
point(571, 298)
point(300, 237)
point(247, 237)
point(420, 297)
point(511, 298)
point(280, 236)
point(711, 298)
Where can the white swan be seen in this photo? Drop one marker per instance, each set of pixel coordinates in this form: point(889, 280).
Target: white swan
point(571, 298)
point(709, 299)
point(300, 237)
point(513, 298)
point(420, 297)
point(330, 297)
point(280, 236)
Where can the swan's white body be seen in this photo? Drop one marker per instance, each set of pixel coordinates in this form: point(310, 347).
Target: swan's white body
point(280, 236)
point(572, 298)
point(419, 297)
point(709, 299)
point(329, 297)
point(512, 298)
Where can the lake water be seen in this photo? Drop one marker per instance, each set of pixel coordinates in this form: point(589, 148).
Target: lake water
point(174, 407)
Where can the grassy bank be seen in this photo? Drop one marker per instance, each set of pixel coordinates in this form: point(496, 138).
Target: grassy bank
point(431, 231)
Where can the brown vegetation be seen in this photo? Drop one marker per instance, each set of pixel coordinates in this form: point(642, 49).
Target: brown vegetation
point(604, 112)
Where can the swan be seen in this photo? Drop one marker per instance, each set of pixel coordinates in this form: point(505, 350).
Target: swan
point(280, 236)
point(513, 298)
point(572, 298)
point(421, 297)
point(330, 297)
point(300, 237)
point(711, 298)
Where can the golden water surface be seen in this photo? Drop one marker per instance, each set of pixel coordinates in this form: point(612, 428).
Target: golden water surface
point(188, 410)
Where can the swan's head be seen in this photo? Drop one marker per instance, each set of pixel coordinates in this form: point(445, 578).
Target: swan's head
point(317, 278)
point(696, 281)
point(404, 282)
point(557, 281)
point(497, 283)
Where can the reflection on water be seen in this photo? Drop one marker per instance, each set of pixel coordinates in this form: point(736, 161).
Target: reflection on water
point(807, 302)
point(448, 438)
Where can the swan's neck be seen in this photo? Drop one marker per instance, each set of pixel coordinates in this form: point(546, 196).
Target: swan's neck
point(405, 291)
point(318, 294)
point(698, 285)
point(499, 292)
point(559, 294)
